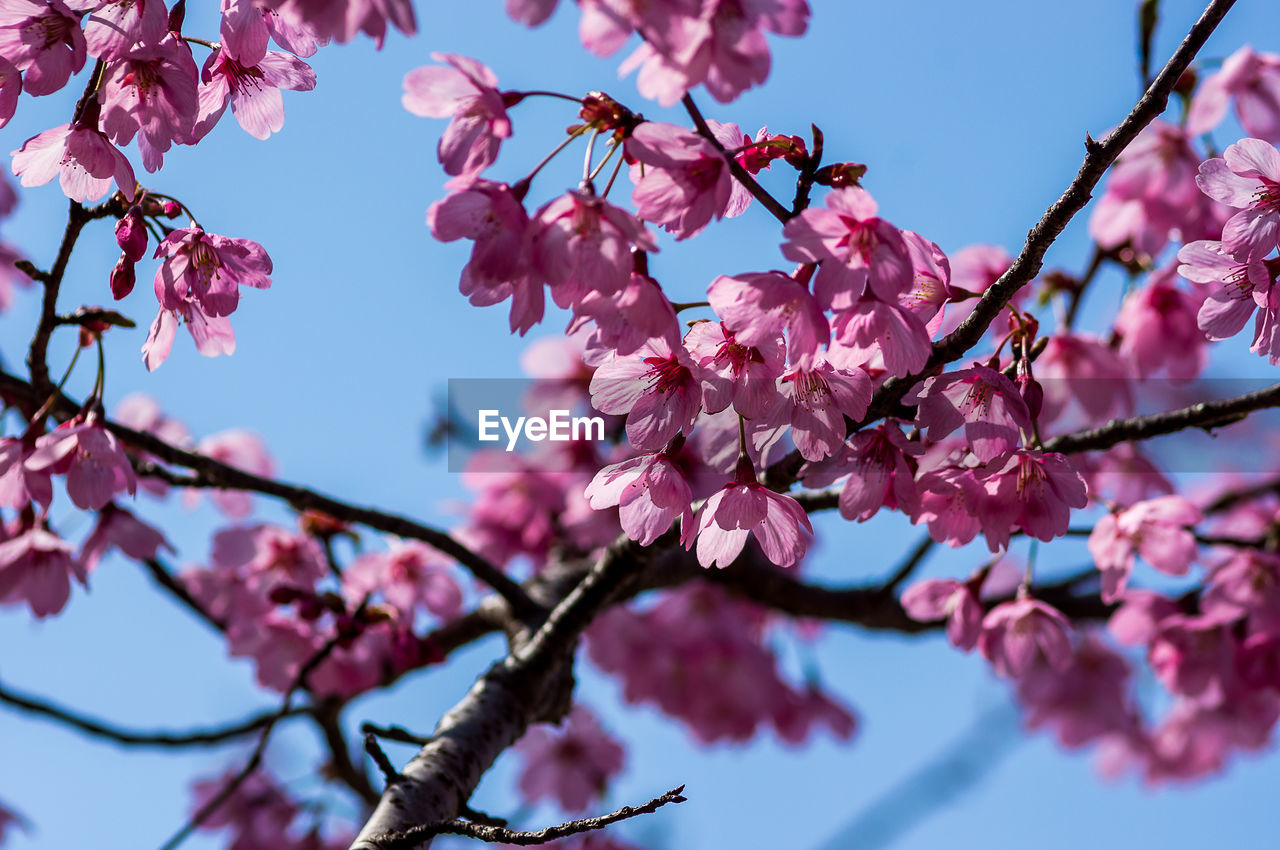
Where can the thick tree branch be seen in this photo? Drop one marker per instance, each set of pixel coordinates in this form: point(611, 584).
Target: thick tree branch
point(216, 474)
point(513, 693)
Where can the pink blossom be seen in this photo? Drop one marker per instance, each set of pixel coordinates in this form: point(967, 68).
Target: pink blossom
point(1085, 701)
point(682, 182)
point(758, 308)
point(581, 243)
point(1236, 290)
point(1194, 656)
point(627, 320)
point(1015, 634)
point(655, 387)
point(243, 450)
point(799, 712)
point(871, 327)
point(1247, 177)
point(863, 252)
point(252, 91)
point(1139, 616)
point(10, 89)
point(883, 473)
point(409, 575)
point(342, 19)
point(490, 214)
point(973, 270)
point(713, 639)
point(19, 483)
point(36, 567)
point(531, 13)
point(90, 457)
point(208, 269)
point(119, 529)
point(719, 43)
point(1246, 585)
point(731, 137)
point(930, 281)
point(246, 28)
point(467, 93)
point(1253, 79)
point(1159, 332)
point(573, 766)
point(151, 92)
point(113, 27)
point(43, 39)
point(951, 500)
point(815, 401)
point(1157, 529)
point(744, 506)
point(1123, 474)
point(1151, 192)
point(982, 401)
point(81, 157)
point(1031, 490)
point(946, 599)
point(1082, 369)
point(733, 373)
point(212, 334)
point(650, 492)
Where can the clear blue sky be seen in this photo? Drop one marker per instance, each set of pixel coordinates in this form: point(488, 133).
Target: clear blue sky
point(972, 118)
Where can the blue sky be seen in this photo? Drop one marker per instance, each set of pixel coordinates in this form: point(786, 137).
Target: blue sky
point(972, 120)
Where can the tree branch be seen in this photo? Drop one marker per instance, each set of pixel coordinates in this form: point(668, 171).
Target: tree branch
point(1206, 415)
point(30, 704)
point(411, 838)
point(1098, 158)
point(772, 204)
point(212, 473)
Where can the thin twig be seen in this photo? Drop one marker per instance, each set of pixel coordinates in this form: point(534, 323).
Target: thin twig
point(499, 835)
point(772, 204)
point(40, 707)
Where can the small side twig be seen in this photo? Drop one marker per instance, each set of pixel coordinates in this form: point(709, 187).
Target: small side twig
point(394, 733)
point(499, 835)
point(388, 770)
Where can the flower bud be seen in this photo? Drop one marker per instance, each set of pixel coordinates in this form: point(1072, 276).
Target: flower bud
point(131, 235)
point(122, 278)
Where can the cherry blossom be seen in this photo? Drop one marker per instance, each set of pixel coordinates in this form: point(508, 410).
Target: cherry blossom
point(208, 270)
point(36, 567)
point(251, 90)
point(1015, 634)
point(956, 602)
point(80, 156)
point(650, 492)
point(1157, 529)
point(1253, 80)
point(1247, 177)
point(573, 766)
point(466, 92)
point(742, 507)
point(682, 182)
point(43, 39)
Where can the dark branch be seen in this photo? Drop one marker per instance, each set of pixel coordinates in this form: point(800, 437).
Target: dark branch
point(499, 835)
point(29, 704)
point(1206, 415)
point(212, 473)
point(772, 204)
point(1098, 158)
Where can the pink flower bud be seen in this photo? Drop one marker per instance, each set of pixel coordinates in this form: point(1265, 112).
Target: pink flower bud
point(131, 235)
point(122, 277)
